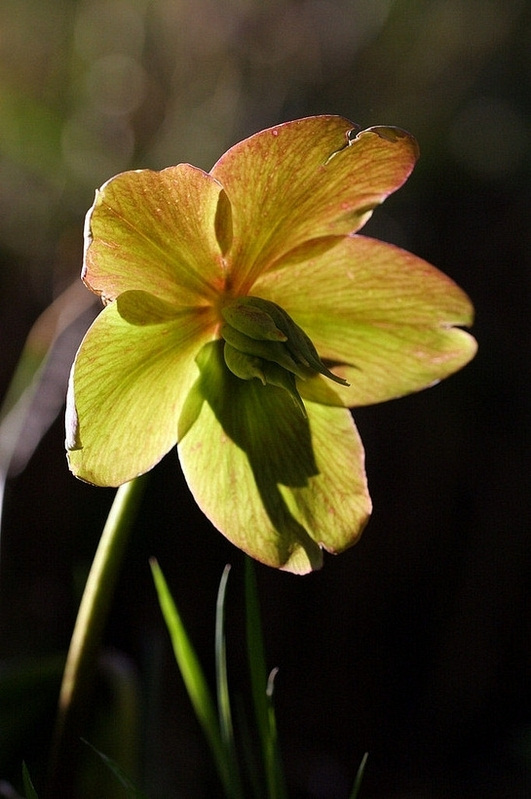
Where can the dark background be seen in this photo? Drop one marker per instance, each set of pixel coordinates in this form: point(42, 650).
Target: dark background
point(414, 645)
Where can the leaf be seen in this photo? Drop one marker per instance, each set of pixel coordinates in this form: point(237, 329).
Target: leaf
point(224, 704)
point(359, 777)
point(193, 676)
point(29, 789)
point(262, 697)
point(131, 790)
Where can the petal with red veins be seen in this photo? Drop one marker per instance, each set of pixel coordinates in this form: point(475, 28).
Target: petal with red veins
point(305, 180)
point(280, 486)
point(156, 232)
point(379, 317)
point(128, 384)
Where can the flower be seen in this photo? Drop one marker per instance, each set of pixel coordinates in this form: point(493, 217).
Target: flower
point(243, 316)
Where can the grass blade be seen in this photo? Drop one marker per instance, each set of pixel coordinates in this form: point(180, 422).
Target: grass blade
point(224, 707)
point(359, 777)
point(224, 711)
point(262, 690)
point(130, 789)
point(29, 790)
point(193, 677)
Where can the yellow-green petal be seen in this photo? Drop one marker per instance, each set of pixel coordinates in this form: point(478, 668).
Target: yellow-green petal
point(155, 232)
point(128, 384)
point(305, 180)
point(385, 320)
point(280, 486)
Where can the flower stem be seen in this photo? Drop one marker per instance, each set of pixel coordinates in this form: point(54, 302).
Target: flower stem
point(88, 631)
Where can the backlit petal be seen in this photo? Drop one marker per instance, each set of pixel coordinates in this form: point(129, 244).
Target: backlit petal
point(303, 181)
point(155, 232)
point(128, 384)
point(390, 316)
point(277, 485)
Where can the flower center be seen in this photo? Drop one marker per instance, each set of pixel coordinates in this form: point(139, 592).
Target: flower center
point(262, 341)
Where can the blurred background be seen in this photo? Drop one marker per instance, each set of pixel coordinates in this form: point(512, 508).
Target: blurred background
point(414, 645)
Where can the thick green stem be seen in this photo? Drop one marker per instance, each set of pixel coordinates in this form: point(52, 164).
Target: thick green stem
point(88, 631)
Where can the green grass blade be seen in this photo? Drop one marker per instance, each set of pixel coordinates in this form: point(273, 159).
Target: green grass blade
point(262, 690)
point(224, 705)
point(275, 773)
point(224, 711)
point(359, 777)
point(131, 790)
point(251, 757)
point(29, 790)
point(193, 677)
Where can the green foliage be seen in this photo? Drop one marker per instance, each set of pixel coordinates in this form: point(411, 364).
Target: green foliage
point(267, 781)
point(219, 732)
point(132, 792)
point(359, 777)
point(223, 694)
point(29, 789)
point(194, 679)
point(262, 690)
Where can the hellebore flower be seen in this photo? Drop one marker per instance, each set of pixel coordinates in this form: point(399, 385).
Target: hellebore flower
point(244, 317)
